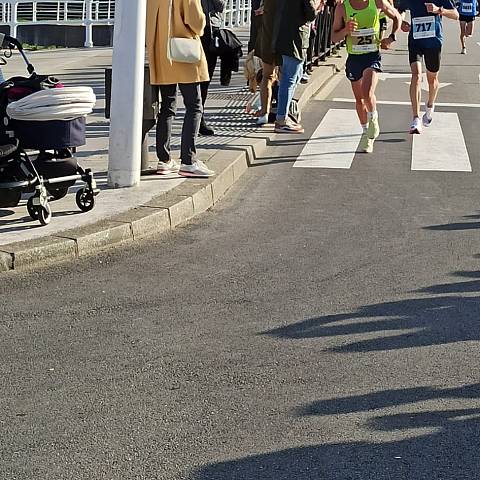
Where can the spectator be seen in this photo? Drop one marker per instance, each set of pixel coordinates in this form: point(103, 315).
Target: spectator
point(188, 20)
point(213, 10)
point(264, 50)
point(290, 39)
point(255, 23)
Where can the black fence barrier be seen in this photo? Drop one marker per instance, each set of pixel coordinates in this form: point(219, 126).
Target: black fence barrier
point(322, 45)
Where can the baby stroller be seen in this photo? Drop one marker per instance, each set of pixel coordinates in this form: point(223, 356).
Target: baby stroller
point(48, 174)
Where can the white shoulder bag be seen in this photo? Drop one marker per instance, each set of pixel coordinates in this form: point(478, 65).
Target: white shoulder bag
point(182, 50)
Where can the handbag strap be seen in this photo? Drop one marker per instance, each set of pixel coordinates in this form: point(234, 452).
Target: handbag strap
point(169, 34)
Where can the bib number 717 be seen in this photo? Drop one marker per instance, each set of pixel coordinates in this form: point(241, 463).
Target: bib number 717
point(423, 27)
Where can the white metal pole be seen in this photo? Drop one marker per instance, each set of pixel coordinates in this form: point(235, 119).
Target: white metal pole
point(89, 24)
point(126, 112)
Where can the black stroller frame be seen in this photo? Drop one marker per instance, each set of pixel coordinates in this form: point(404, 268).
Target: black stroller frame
point(19, 174)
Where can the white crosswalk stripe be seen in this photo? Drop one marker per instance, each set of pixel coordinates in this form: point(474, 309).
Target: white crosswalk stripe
point(334, 143)
point(441, 147)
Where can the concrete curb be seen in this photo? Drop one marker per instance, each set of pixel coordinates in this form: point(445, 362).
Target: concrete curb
point(163, 213)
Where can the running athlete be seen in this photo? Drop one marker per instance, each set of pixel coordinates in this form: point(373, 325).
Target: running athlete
point(468, 11)
point(358, 21)
point(425, 41)
point(383, 22)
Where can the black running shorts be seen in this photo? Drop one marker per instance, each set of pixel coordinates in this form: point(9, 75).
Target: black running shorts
point(357, 64)
point(432, 56)
point(467, 18)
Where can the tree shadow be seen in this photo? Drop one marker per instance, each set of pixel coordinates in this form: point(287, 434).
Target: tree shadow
point(449, 451)
point(410, 323)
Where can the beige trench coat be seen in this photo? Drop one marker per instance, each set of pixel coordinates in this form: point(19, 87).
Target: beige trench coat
point(188, 21)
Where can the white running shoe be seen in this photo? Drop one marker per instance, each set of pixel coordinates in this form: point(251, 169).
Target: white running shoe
point(196, 169)
point(416, 126)
point(262, 120)
point(166, 168)
point(464, 51)
point(428, 116)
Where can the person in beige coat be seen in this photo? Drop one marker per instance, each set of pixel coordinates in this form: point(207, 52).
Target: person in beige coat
point(188, 21)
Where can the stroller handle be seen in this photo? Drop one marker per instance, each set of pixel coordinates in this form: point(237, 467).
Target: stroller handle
point(6, 41)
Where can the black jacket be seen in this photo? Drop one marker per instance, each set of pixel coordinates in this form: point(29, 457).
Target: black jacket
point(291, 31)
point(213, 10)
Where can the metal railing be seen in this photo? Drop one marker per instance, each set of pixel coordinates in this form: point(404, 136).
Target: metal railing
point(237, 13)
point(88, 13)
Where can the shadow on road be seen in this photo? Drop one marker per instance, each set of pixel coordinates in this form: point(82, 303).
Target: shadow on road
point(448, 451)
point(409, 323)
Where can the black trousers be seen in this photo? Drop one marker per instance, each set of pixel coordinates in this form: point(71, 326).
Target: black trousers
point(191, 123)
point(212, 59)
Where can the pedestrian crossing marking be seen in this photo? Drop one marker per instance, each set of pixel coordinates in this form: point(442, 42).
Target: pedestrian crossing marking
point(441, 147)
point(334, 143)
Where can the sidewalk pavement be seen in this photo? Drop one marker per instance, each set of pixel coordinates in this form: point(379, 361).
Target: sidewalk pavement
point(159, 203)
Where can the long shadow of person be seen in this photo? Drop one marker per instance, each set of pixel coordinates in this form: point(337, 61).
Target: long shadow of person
point(448, 452)
point(414, 322)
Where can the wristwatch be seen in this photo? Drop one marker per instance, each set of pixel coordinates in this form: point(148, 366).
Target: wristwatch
point(440, 12)
point(393, 37)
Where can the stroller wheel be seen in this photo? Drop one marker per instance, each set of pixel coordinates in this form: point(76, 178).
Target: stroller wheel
point(85, 200)
point(45, 214)
point(32, 209)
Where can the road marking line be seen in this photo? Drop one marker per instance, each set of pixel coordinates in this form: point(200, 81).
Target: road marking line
point(334, 143)
point(394, 102)
point(441, 147)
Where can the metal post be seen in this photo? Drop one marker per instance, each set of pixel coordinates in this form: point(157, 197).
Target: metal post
point(14, 20)
point(128, 74)
point(89, 24)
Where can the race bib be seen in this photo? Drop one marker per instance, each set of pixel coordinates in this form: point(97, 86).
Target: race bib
point(364, 40)
point(467, 8)
point(423, 27)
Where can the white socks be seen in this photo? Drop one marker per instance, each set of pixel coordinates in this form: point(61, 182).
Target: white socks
point(365, 127)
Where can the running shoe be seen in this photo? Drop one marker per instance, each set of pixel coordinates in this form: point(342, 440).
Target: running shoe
point(366, 144)
point(428, 116)
point(362, 146)
point(288, 128)
point(464, 51)
point(166, 168)
point(416, 126)
point(196, 169)
point(373, 128)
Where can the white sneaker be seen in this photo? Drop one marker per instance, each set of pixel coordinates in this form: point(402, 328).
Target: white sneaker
point(262, 120)
point(196, 169)
point(464, 51)
point(416, 126)
point(428, 116)
point(166, 168)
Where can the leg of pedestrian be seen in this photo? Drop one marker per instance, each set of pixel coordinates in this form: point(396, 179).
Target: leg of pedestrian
point(291, 71)
point(168, 108)
point(191, 166)
point(268, 71)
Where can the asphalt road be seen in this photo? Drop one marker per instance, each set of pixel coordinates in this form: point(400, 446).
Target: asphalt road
point(318, 324)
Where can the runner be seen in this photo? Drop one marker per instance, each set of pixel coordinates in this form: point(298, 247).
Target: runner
point(358, 21)
point(468, 11)
point(425, 41)
point(383, 21)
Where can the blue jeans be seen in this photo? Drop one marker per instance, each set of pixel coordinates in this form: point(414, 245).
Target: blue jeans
point(292, 69)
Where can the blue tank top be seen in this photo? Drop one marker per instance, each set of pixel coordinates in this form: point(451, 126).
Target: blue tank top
point(468, 8)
